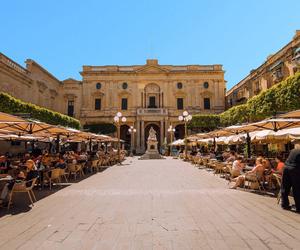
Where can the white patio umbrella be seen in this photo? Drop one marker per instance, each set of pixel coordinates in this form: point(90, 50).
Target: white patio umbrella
point(178, 142)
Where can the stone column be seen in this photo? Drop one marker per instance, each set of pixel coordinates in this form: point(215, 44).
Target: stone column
point(142, 136)
point(166, 129)
point(162, 134)
point(138, 136)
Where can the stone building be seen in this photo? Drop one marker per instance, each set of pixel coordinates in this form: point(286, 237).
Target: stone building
point(276, 68)
point(149, 95)
point(31, 84)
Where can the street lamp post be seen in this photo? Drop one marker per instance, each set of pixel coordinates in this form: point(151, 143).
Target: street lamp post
point(131, 130)
point(117, 121)
point(171, 130)
point(185, 117)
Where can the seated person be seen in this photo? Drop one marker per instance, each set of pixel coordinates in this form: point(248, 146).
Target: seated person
point(82, 157)
point(232, 157)
point(61, 163)
point(225, 155)
point(271, 176)
point(30, 174)
point(219, 156)
point(237, 167)
point(258, 170)
point(280, 165)
point(46, 160)
point(212, 155)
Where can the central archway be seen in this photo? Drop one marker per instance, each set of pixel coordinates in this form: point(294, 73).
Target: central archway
point(157, 130)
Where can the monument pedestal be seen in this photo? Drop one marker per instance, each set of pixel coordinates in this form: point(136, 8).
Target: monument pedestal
point(152, 151)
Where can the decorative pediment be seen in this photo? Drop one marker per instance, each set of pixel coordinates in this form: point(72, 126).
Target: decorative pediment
point(179, 93)
point(152, 69)
point(70, 96)
point(152, 88)
point(124, 93)
point(98, 94)
point(207, 94)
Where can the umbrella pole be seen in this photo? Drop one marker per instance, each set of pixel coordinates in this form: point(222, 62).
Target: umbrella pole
point(248, 146)
point(215, 144)
point(57, 144)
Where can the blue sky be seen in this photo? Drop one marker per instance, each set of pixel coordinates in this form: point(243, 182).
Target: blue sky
point(63, 35)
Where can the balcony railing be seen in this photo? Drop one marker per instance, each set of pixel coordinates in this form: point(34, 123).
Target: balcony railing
point(12, 64)
point(152, 111)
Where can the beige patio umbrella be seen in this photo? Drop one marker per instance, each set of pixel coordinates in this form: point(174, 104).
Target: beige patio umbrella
point(32, 127)
point(10, 118)
point(292, 114)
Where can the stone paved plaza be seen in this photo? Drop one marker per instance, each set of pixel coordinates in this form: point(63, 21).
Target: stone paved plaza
point(155, 204)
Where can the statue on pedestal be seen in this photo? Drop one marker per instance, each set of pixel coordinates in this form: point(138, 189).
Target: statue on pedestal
point(152, 151)
point(152, 135)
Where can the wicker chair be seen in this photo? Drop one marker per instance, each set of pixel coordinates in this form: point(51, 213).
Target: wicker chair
point(54, 176)
point(64, 174)
point(254, 181)
point(22, 188)
point(94, 166)
point(74, 169)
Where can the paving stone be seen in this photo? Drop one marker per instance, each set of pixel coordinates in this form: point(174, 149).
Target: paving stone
point(155, 204)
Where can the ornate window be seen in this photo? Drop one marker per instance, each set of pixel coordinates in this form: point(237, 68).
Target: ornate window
point(180, 103)
point(206, 103)
point(70, 107)
point(205, 85)
point(179, 85)
point(98, 85)
point(124, 85)
point(97, 104)
point(124, 104)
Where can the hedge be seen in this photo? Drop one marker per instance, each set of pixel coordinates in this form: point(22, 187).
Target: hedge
point(282, 97)
point(11, 105)
point(101, 128)
point(204, 123)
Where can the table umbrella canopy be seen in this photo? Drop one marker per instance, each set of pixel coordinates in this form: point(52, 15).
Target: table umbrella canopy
point(280, 136)
point(292, 114)
point(13, 137)
point(274, 124)
point(178, 142)
point(206, 141)
point(32, 127)
point(10, 118)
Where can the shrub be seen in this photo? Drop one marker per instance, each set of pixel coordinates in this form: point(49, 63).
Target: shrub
point(101, 128)
point(204, 122)
point(11, 105)
point(284, 96)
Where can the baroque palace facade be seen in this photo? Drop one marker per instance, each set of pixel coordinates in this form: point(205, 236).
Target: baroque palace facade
point(150, 95)
point(277, 67)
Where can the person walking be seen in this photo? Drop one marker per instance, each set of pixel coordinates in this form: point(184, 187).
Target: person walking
point(291, 179)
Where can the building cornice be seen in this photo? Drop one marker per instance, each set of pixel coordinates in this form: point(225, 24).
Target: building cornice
point(295, 42)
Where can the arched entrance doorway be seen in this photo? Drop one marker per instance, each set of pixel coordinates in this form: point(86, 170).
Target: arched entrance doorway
point(125, 135)
point(179, 131)
point(157, 130)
